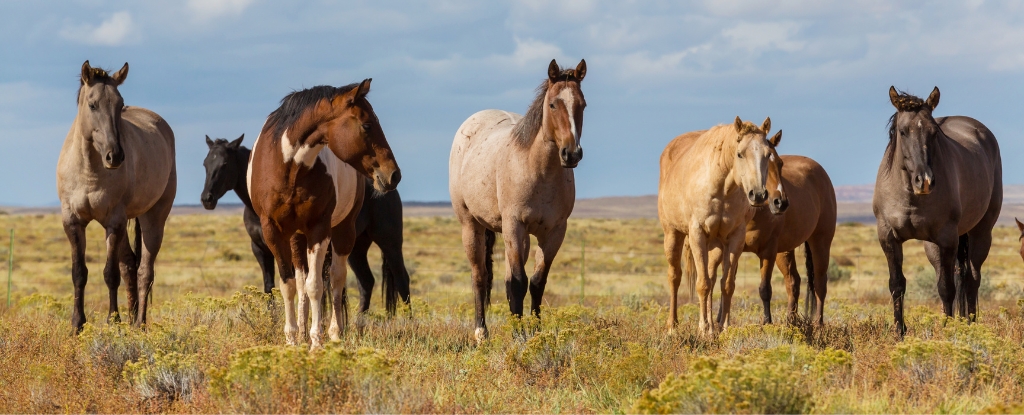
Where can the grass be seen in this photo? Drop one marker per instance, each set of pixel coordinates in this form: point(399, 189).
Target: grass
point(215, 343)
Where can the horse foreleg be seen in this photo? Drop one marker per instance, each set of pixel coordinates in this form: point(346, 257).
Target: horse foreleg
point(314, 288)
point(730, 265)
point(705, 278)
point(75, 231)
point(547, 247)
point(517, 248)
point(893, 250)
point(674, 241)
point(298, 245)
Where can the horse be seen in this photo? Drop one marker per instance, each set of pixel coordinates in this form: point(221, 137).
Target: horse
point(304, 182)
point(940, 181)
point(1020, 226)
point(706, 193)
point(116, 164)
point(513, 174)
point(380, 222)
point(810, 220)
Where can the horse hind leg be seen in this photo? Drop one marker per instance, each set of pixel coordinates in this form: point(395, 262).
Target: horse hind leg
point(130, 259)
point(361, 268)
point(475, 241)
point(298, 244)
point(151, 225)
point(979, 243)
point(279, 244)
point(765, 289)
point(817, 258)
point(786, 263)
point(674, 242)
point(115, 237)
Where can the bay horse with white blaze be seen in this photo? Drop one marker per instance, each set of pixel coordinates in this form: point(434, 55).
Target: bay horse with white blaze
point(941, 182)
point(117, 163)
point(380, 222)
point(706, 195)
point(513, 174)
point(305, 186)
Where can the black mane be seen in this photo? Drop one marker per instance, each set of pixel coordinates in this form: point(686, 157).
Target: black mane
point(296, 103)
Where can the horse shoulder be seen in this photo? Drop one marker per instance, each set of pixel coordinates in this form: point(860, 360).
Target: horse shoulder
point(346, 184)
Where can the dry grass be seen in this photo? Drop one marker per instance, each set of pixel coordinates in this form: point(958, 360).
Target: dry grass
point(216, 346)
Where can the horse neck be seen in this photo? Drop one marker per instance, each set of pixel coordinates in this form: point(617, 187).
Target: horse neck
point(85, 155)
point(241, 163)
point(542, 154)
point(722, 178)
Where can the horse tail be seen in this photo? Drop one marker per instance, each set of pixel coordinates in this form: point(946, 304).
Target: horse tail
point(489, 239)
point(689, 270)
point(961, 276)
point(810, 304)
point(389, 290)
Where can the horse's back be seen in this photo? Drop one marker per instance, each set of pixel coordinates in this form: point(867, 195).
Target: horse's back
point(477, 148)
point(669, 190)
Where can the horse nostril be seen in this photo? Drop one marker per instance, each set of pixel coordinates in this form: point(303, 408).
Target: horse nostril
point(396, 177)
point(777, 203)
point(110, 157)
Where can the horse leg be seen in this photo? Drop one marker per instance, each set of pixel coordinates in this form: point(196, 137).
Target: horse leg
point(942, 255)
point(765, 289)
point(129, 268)
point(260, 249)
point(674, 241)
point(705, 277)
point(473, 241)
point(547, 247)
point(151, 224)
point(979, 243)
point(821, 249)
point(298, 244)
point(517, 248)
point(116, 235)
point(75, 231)
point(893, 250)
point(730, 265)
point(314, 286)
point(395, 275)
point(786, 262)
point(361, 268)
point(343, 240)
point(280, 246)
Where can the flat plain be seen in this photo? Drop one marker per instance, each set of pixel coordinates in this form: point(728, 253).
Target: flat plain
point(215, 344)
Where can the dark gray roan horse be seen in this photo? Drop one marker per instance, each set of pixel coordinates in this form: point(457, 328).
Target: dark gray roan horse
point(941, 182)
point(379, 221)
point(117, 163)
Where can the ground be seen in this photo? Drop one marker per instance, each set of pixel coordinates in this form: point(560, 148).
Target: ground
point(215, 343)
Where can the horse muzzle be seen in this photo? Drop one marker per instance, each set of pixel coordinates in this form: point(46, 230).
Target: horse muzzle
point(757, 199)
point(386, 183)
point(923, 184)
point(113, 159)
point(571, 159)
point(209, 202)
point(779, 206)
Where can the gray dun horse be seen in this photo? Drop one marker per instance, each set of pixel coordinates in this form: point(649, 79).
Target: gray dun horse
point(117, 163)
point(305, 186)
point(706, 194)
point(941, 182)
point(513, 174)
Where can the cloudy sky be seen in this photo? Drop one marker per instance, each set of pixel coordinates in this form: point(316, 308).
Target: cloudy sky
point(820, 69)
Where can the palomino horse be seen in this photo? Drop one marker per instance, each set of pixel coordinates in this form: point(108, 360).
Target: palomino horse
point(380, 222)
point(705, 197)
point(304, 183)
point(117, 163)
point(810, 220)
point(513, 174)
point(941, 182)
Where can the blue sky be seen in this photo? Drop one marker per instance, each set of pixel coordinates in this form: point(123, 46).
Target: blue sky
point(820, 69)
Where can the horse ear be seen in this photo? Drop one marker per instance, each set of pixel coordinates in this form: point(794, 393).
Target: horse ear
point(766, 126)
point(1019, 225)
point(364, 88)
point(553, 71)
point(774, 141)
point(209, 142)
point(237, 142)
point(893, 96)
point(933, 98)
point(86, 73)
point(121, 74)
point(581, 70)
point(738, 124)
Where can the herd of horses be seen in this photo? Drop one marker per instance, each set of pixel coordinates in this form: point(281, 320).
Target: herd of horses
point(319, 186)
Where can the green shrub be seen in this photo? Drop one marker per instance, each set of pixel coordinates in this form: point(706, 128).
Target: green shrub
point(171, 376)
point(836, 272)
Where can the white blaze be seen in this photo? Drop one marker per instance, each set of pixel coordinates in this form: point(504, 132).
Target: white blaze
point(570, 104)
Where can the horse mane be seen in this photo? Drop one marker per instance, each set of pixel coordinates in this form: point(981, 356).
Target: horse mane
point(98, 74)
point(528, 127)
point(297, 103)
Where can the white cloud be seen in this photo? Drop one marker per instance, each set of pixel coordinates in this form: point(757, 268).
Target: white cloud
point(208, 9)
point(759, 37)
point(116, 30)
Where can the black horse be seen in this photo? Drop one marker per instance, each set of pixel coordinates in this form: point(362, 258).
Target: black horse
point(380, 222)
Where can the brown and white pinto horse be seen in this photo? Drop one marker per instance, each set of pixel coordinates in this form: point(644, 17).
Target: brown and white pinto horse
point(513, 174)
point(304, 183)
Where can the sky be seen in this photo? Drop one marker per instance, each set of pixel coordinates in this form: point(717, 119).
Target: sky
point(655, 69)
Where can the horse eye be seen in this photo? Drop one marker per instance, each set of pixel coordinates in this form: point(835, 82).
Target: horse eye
point(551, 105)
point(740, 155)
point(92, 106)
point(366, 127)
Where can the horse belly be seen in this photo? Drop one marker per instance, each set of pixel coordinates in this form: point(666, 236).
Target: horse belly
point(474, 162)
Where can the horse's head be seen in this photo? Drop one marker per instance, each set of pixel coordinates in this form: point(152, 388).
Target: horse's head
point(753, 153)
point(1020, 238)
point(915, 131)
point(99, 112)
point(563, 111)
point(778, 201)
point(222, 170)
point(356, 137)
